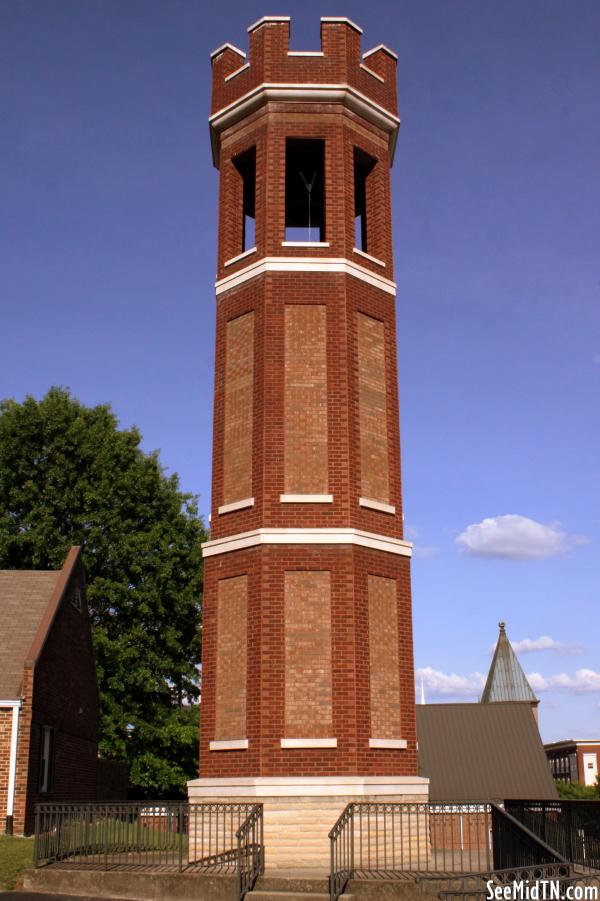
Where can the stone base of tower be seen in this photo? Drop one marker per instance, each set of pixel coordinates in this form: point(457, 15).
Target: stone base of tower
point(299, 811)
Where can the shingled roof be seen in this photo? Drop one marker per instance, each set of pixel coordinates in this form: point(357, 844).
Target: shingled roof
point(506, 680)
point(482, 752)
point(28, 602)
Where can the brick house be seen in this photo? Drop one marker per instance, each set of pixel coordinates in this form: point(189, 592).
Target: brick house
point(574, 760)
point(48, 692)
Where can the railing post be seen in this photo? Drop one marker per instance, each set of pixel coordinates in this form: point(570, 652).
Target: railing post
point(180, 830)
point(36, 840)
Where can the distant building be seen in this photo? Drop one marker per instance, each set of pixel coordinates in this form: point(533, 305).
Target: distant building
point(482, 752)
point(48, 692)
point(574, 760)
point(506, 680)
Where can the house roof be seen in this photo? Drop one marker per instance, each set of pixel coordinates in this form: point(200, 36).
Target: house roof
point(506, 680)
point(28, 602)
point(476, 752)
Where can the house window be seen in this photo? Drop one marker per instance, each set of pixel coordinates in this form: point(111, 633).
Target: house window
point(46, 758)
point(245, 163)
point(363, 166)
point(76, 599)
point(304, 190)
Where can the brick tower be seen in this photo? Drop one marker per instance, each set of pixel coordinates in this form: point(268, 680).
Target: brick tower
point(308, 694)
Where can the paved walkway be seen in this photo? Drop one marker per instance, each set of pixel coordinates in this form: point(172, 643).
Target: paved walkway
point(46, 896)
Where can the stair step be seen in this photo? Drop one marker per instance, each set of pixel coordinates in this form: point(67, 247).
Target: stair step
point(294, 895)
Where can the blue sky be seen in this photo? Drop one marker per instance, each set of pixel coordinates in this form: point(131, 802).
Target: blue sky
point(107, 261)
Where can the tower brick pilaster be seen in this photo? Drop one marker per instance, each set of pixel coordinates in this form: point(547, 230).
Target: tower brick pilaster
point(307, 637)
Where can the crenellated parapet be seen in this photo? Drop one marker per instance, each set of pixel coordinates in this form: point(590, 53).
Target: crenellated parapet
point(365, 83)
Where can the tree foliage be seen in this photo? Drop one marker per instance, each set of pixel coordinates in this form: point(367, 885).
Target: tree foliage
point(575, 791)
point(69, 475)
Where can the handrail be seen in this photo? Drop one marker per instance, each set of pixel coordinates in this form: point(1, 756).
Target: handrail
point(341, 851)
point(570, 826)
point(250, 851)
point(514, 843)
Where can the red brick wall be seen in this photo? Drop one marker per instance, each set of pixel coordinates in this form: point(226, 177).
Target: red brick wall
point(372, 406)
point(308, 700)
point(266, 568)
point(63, 694)
point(269, 62)
point(383, 653)
point(239, 389)
point(342, 297)
point(230, 715)
point(305, 400)
point(318, 338)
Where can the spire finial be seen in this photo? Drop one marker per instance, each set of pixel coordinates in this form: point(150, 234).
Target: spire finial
point(502, 627)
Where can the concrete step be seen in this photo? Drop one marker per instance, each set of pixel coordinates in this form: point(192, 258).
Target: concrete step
point(266, 895)
point(297, 883)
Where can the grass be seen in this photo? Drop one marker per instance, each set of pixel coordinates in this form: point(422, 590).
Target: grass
point(16, 855)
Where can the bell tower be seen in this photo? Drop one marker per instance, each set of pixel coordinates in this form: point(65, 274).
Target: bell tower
point(308, 687)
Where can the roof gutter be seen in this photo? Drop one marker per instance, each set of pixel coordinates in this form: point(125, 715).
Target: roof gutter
point(12, 764)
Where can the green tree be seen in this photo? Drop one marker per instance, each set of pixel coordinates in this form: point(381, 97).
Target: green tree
point(69, 475)
point(575, 791)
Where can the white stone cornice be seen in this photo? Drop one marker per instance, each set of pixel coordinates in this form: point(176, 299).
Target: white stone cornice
point(305, 786)
point(352, 99)
point(305, 264)
point(314, 536)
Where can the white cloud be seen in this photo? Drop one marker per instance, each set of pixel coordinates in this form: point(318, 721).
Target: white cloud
point(449, 685)
point(515, 537)
point(584, 681)
point(543, 643)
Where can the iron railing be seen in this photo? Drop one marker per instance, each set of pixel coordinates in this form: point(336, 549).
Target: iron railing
point(170, 836)
point(572, 827)
point(515, 845)
point(389, 840)
point(549, 886)
point(250, 850)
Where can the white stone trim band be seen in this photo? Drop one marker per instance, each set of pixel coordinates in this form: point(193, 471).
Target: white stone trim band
point(239, 257)
point(228, 47)
point(306, 498)
point(247, 66)
point(354, 100)
point(236, 505)
point(307, 536)
point(11, 703)
point(304, 264)
point(341, 20)
point(309, 742)
point(265, 21)
point(362, 65)
point(388, 743)
point(305, 786)
point(367, 256)
point(380, 47)
point(305, 53)
point(376, 505)
point(234, 744)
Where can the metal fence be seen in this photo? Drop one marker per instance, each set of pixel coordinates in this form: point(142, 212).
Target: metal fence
point(515, 845)
point(571, 827)
point(388, 840)
point(167, 836)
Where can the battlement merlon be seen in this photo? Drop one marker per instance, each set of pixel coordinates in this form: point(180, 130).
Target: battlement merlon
point(336, 73)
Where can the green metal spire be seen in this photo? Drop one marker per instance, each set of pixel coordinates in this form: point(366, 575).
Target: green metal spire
point(506, 680)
